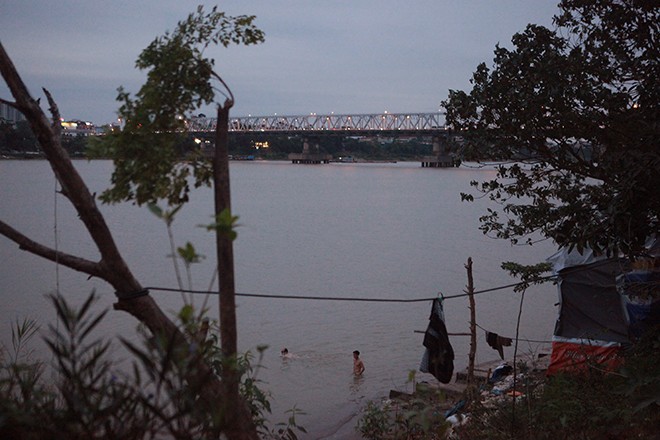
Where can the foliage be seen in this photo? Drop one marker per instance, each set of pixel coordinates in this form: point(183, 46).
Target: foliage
point(375, 423)
point(17, 137)
point(415, 419)
point(641, 384)
point(375, 148)
point(148, 167)
point(420, 417)
point(225, 224)
point(287, 431)
point(167, 216)
point(528, 274)
point(594, 404)
point(579, 107)
point(564, 406)
point(91, 396)
point(20, 395)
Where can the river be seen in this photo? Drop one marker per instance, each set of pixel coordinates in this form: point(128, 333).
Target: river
point(362, 230)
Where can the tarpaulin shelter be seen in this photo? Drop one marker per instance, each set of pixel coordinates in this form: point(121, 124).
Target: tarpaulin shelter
point(599, 312)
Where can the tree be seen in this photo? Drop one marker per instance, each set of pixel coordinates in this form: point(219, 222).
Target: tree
point(148, 170)
point(17, 137)
point(573, 113)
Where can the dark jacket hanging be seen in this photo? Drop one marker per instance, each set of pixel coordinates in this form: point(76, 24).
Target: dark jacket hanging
point(439, 356)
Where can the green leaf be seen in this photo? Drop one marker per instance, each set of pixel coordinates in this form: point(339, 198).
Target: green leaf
point(153, 156)
point(188, 254)
point(155, 210)
point(224, 224)
point(187, 314)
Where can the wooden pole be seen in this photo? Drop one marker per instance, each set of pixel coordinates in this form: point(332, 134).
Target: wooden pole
point(473, 325)
point(238, 420)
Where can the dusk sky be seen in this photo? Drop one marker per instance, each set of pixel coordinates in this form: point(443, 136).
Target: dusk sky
point(359, 56)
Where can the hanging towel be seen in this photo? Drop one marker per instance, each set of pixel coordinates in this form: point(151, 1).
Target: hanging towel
point(497, 342)
point(438, 357)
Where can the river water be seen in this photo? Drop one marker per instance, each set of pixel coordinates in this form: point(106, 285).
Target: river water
point(390, 230)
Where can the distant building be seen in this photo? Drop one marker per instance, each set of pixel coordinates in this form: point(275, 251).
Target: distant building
point(78, 128)
point(10, 114)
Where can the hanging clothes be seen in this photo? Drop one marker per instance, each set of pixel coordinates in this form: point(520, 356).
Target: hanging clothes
point(438, 357)
point(497, 342)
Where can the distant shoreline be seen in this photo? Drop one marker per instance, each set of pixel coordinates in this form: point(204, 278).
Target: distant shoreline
point(41, 156)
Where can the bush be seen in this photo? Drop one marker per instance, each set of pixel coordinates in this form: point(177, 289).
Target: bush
point(417, 418)
point(89, 397)
point(593, 405)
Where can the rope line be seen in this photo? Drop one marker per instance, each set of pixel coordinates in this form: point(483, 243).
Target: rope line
point(317, 298)
point(56, 239)
point(536, 341)
point(565, 271)
point(518, 339)
point(338, 298)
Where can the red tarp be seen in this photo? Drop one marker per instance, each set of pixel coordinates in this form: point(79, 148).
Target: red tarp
point(580, 355)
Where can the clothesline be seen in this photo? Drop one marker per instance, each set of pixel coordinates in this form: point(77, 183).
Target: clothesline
point(470, 334)
point(333, 298)
point(518, 339)
point(359, 299)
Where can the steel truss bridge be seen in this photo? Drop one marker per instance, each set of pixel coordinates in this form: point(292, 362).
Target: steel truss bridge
point(386, 124)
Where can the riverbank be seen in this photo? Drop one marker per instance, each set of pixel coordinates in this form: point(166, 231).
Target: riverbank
point(438, 411)
point(527, 404)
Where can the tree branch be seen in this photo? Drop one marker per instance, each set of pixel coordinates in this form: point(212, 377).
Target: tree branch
point(10, 104)
point(71, 261)
point(229, 102)
point(114, 269)
point(55, 113)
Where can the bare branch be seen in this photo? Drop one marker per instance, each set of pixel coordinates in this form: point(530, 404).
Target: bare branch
point(10, 104)
point(229, 102)
point(55, 113)
point(115, 270)
point(76, 263)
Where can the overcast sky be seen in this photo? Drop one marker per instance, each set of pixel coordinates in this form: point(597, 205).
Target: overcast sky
point(359, 56)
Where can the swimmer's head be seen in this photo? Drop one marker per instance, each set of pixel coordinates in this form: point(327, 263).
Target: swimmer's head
point(284, 351)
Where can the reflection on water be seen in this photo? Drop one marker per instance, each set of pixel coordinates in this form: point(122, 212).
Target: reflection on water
point(354, 388)
point(347, 230)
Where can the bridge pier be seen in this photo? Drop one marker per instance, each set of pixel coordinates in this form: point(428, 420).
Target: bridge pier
point(312, 159)
point(438, 162)
point(441, 158)
point(305, 146)
point(307, 157)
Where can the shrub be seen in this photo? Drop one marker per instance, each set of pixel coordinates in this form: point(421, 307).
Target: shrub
point(90, 397)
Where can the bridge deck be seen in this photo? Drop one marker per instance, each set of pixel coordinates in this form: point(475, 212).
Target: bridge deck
point(313, 124)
